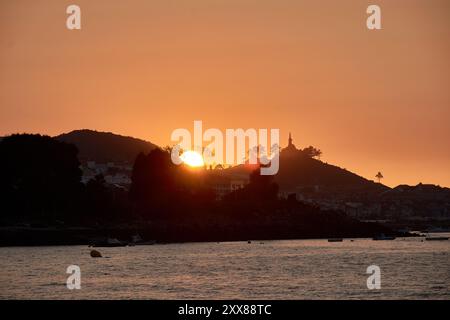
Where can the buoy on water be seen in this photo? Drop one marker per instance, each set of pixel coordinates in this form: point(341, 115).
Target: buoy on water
point(95, 254)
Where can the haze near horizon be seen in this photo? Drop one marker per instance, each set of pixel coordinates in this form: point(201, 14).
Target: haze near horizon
point(371, 100)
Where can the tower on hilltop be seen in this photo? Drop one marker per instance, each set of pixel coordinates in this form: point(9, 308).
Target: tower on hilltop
point(290, 147)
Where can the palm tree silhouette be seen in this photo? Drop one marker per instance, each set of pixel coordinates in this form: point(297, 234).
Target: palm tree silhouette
point(379, 176)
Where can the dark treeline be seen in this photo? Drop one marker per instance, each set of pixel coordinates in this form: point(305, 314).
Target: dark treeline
point(40, 186)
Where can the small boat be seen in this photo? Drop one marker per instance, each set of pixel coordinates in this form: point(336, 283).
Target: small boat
point(383, 237)
point(335, 240)
point(145, 243)
point(110, 242)
point(136, 240)
point(438, 238)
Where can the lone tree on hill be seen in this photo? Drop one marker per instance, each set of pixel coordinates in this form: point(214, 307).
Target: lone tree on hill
point(379, 176)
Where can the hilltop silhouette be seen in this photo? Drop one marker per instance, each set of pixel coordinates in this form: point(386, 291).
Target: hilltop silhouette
point(46, 203)
point(46, 198)
point(105, 146)
point(300, 171)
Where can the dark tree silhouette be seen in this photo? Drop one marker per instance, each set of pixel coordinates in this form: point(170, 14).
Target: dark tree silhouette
point(152, 177)
point(379, 176)
point(40, 177)
point(162, 190)
point(312, 152)
point(260, 189)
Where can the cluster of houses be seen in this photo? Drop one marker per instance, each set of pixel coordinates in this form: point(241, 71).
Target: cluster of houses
point(409, 202)
point(415, 203)
point(115, 174)
point(119, 175)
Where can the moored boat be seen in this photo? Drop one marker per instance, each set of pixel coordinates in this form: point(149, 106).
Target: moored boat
point(110, 242)
point(145, 243)
point(383, 237)
point(437, 238)
point(137, 240)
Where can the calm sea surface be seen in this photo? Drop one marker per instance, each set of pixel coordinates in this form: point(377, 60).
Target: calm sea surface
point(411, 268)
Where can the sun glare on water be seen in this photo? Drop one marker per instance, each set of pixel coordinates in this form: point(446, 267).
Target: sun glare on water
point(192, 159)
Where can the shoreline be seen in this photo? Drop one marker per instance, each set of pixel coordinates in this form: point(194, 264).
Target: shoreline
point(35, 237)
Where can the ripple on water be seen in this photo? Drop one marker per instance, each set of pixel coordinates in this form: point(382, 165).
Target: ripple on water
point(294, 269)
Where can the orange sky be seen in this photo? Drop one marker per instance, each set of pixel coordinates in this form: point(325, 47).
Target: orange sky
point(371, 100)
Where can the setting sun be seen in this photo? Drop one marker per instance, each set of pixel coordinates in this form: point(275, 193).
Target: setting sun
point(192, 159)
